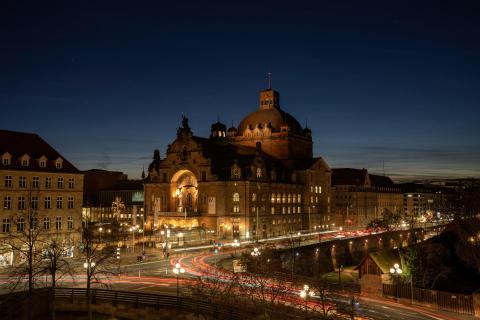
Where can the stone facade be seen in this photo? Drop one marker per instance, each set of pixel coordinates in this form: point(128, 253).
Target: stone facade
point(255, 181)
point(37, 180)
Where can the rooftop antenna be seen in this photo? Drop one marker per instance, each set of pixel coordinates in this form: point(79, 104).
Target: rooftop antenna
point(269, 78)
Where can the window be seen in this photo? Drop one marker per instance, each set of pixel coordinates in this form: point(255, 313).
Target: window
point(6, 225)
point(7, 203)
point(284, 198)
point(283, 210)
point(6, 161)
point(236, 173)
point(36, 182)
point(25, 163)
point(236, 197)
point(8, 181)
point(236, 208)
point(279, 197)
point(273, 198)
point(20, 224)
point(42, 164)
point(71, 183)
point(60, 182)
point(33, 223)
point(320, 189)
point(48, 182)
point(70, 223)
point(254, 197)
point(22, 182)
point(58, 165)
point(273, 210)
point(46, 223)
point(70, 203)
point(21, 203)
point(259, 172)
point(58, 223)
point(289, 198)
point(298, 210)
point(59, 202)
point(34, 202)
point(48, 203)
point(293, 210)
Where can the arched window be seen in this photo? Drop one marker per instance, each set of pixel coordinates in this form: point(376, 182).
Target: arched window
point(279, 197)
point(236, 197)
point(259, 172)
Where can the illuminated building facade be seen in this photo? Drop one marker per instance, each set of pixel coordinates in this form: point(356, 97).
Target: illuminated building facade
point(256, 180)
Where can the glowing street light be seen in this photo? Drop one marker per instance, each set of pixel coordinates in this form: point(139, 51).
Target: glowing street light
point(396, 271)
point(177, 270)
point(235, 245)
point(255, 252)
point(305, 294)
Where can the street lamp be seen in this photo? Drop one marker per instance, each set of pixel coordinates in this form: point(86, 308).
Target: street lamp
point(255, 252)
point(396, 271)
point(305, 294)
point(177, 270)
point(235, 245)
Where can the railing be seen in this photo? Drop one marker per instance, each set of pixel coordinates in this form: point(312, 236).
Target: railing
point(459, 303)
point(138, 299)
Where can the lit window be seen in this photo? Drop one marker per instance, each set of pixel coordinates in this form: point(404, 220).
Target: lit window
point(254, 197)
point(273, 198)
point(259, 172)
point(236, 197)
point(42, 164)
point(58, 165)
point(273, 210)
point(289, 198)
point(236, 208)
point(279, 197)
point(6, 161)
point(284, 198)
point(25, 163)
point(299, 198)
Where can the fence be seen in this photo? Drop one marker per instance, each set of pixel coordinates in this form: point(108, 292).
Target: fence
point(453, 302)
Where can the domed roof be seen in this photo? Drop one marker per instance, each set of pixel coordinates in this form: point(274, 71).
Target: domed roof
point(273, 117)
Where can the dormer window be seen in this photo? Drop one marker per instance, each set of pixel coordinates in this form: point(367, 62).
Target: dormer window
point(42, 162)
point(59, 163)
point(259, 172)
point(6, 161)
point(25, 163)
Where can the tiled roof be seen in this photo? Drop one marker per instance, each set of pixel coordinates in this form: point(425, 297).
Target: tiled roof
point(18, 144)
point(348, 176)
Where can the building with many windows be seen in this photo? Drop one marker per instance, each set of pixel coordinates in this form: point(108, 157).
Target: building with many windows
point(38, 188)
point(258, 180)
point(361, 197)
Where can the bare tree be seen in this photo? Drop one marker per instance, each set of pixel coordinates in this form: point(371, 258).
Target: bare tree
point(56, 266)
point(100, 262)
point(321, 288)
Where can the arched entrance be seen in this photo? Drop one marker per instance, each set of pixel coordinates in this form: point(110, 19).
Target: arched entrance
point(184, 188)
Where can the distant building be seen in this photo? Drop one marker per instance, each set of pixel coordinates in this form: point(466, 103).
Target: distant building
point(255, 180)
point(424, 201)
point(38, 182)
point(111, 196)
point(361, 197)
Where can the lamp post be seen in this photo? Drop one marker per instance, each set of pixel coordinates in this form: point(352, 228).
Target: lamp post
point(396, 271)
point(305, 294)
point(100, 230)
point(177, 270)
point(166, 247)
point(235, 245)
point(133, 229)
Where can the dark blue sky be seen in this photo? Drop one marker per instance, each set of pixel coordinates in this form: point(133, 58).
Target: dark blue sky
point(392, 81)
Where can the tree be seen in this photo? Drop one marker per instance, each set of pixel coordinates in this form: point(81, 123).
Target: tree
point(55, 265)
point(321, 289)
point(99, 260)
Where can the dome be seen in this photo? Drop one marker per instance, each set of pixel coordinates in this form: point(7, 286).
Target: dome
point(273, 118)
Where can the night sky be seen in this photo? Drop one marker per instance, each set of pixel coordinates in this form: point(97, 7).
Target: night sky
point(394, 82)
